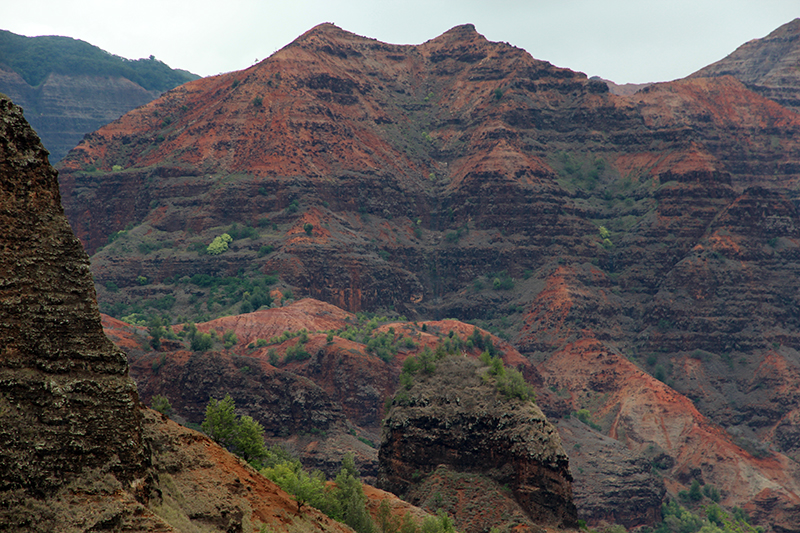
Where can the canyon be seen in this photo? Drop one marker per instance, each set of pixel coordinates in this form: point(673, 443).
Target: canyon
point(634, 256)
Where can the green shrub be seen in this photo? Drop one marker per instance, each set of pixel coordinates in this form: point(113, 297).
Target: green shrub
point(296, 353)
point(586, 417)
point(202, 342)
point(508, 381)
point(229, 339)
point(161, 404)
point(219, 244)
point(711, 492)
point(242, 232)
point(502, 282)
point(308, 228)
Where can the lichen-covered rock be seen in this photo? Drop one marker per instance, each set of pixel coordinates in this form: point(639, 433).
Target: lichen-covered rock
point(457, 419)
point(66, 401)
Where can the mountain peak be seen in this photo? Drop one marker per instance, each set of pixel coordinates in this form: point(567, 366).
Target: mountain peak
point(461, 31)
point(327, 32)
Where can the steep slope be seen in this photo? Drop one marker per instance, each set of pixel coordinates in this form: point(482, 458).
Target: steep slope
point(202, 487)
point(648, 416)
point(69, 88)
point(463, 178)
point(768, 65)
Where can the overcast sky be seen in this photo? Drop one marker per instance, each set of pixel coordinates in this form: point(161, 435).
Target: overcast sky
point(627, 41)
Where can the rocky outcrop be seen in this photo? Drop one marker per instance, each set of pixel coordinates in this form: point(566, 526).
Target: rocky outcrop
point(768, 65)
point(456, 420)
point(67, 403)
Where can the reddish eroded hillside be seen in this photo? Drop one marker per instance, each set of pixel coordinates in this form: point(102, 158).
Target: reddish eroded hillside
point(322, 403)
point(463, 178)
point(201, 485)
point(307, 313)
point(733, 123)
point(651, 418)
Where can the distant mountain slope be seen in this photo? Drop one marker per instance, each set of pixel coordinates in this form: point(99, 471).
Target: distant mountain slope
point(770, 66)
point(69, 87)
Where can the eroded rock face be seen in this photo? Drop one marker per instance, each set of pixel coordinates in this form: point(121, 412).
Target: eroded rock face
point(422, 182)
point(612, 483)
point(454, 418)
point(66, 401)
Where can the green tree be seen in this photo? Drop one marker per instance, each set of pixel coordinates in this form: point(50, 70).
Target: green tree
point(350, 495)
point(305, 488)
point(695, 491)
point(385, 522)
point(308, 228)
point(243, 435)
point(229, 339)
point(161, 404)
point(248, 439)
point(156, 332)
point(220, 423)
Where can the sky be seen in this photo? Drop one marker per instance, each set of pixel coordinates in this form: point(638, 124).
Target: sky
point(626, 41)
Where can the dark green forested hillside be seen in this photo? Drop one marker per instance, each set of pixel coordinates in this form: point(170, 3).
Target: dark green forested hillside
point(34, 58)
